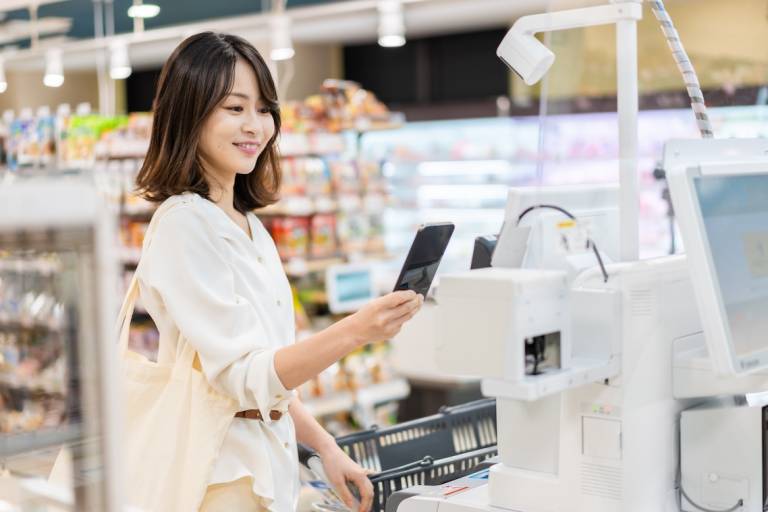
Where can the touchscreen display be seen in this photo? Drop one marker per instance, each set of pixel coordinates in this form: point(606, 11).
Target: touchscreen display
point(354, 286)
point(735, 215)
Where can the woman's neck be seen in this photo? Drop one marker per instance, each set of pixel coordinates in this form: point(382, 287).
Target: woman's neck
point(223, 193)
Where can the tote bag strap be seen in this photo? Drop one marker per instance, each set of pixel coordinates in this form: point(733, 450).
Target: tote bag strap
point(129, 302)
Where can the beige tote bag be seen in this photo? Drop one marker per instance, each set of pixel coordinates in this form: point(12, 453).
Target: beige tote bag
point(174, 422)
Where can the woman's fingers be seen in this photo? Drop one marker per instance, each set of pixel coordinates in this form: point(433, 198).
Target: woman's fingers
point(344, 494)
point(404, 308)
point(394, 299)
point(365, 487)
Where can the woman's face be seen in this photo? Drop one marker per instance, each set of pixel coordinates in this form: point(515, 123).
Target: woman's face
point(236, 132)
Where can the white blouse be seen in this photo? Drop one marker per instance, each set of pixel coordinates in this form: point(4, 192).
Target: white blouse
point(229, 296)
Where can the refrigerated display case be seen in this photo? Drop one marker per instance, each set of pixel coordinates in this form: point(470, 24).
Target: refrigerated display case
point(58, 286)
point(460, 170)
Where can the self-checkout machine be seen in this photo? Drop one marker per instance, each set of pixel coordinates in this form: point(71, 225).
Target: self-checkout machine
point(593, 424)
point(58, 298)
point(722, 208)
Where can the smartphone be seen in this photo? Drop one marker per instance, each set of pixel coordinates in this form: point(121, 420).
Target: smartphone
point(424, 257)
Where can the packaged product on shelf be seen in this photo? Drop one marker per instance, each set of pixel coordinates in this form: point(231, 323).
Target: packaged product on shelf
point(352, 229)
point(291, 236)
point(33, 332)
point(352, 107)
point(323, 236)
point(32, 141)
point(294, 178)
point(5, 133)
point(81, 138)
point(45, 139)
point(20, 133)
point(318, 179)
point(134, 204)
point(129, 138)
point(144, 338)
point(374, 243)
point(344, 177)
point(372, 180)
point(132, 233)
point(341, 105)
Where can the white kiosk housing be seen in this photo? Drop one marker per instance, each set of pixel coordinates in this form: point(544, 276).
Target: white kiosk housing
point(653, 398)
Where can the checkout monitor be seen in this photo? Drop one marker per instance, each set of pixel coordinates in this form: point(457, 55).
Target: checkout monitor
point(349, 286)
point(734, 214)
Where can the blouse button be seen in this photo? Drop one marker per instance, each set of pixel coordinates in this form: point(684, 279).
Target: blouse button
point(279, 302)
point(260, 259)
point(287, 445)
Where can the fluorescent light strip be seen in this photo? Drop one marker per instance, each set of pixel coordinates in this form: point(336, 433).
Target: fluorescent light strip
point(143, 11)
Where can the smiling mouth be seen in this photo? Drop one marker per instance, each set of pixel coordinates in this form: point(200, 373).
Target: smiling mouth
point(247, 146)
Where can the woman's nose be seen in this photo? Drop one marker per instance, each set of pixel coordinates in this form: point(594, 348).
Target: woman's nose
point(252, 125)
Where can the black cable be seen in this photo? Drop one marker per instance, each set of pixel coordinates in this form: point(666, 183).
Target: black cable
point(590, 242)
point(679, 483)
point(545, 206)
point(599, 260)
point(737, 506)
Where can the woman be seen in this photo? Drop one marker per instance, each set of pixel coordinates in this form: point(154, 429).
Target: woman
point(212, 274)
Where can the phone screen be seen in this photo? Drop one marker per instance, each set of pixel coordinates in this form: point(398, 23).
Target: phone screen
point(424, 258)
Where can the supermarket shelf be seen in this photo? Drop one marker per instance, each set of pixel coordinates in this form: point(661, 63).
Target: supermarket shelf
point(338, 402)
point(138, 213)
point(38, 385)
point(395, 389)
point(305, 206)
point(17, 326)
point(366, 397)
point(302, 267)
point(295, 144)
point(297, 267)
point(296, 209)
point(130, 255)
point(364, 126)
point(356, 257)
point(20, 443)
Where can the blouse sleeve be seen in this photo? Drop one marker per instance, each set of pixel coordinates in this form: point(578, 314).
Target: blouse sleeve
point(194, 279)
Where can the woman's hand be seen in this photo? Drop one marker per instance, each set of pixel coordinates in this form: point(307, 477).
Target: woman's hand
point(340, 469)
point(383, 318)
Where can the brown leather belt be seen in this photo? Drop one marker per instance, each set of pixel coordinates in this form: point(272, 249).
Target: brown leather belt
point(255, 414)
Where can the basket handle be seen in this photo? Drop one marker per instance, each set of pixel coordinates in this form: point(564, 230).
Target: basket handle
point(425, 462)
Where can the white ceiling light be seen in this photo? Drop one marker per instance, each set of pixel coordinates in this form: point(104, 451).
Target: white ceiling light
point(3, 82)
point(282, 46)
point(391, 24)
point(54, 68)
point(142, 10)
point(119, 64)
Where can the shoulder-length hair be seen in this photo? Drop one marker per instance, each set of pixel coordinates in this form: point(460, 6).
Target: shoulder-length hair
point(195, 79)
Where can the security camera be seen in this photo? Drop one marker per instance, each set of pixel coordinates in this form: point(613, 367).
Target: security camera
point(525, 55)
point(529, 58)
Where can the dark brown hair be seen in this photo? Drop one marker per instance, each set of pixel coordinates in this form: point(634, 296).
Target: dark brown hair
point(195, 79)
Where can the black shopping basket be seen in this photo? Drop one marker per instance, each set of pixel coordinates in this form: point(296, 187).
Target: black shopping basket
point(427, 451)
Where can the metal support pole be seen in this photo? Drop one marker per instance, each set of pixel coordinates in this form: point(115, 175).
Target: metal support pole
point(138, 22)
point(106, 84)
point(628, 106)
point(35, 39)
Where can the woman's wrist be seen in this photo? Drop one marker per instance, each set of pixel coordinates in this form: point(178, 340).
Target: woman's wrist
point(326, 445)
point(352, 332)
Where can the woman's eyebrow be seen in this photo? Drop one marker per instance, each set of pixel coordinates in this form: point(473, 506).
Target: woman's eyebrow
point(240, 95)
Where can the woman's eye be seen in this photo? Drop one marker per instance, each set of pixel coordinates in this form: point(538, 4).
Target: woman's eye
point(235, 109)
point(265, 110)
